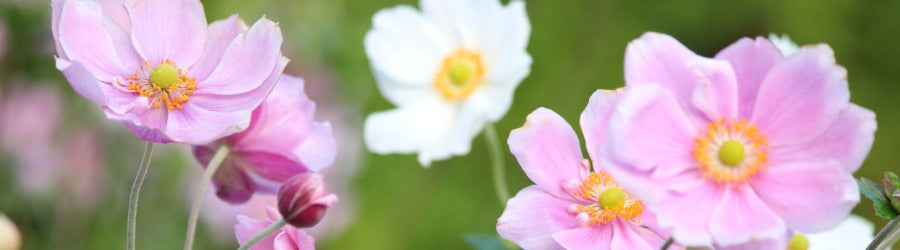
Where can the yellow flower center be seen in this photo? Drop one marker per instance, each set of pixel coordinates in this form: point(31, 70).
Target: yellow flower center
point(612, 200)
point(460, 74)
point(731, 151)
point(798, 242)
point(164, 85)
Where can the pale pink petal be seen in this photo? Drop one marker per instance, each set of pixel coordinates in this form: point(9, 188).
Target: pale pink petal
point(595, 120)
point(233, 184)
point(248, 227)
point(847, 140)
point(656, 58)
point(56, 7)
point(751, 60)
point(801, 97)
point(741, 216)
point(810, 196)
point(716, 90)
point(688, 214)
point(115, 10)
point(247, 62)
point(630, 236)
point(168, 30)
point(532, 216)
point(319, 148)
point(549, 152)
point(82, 81)
point(587, 238)
point(194, 125)
point(780, 242)
point(241, 101)
point(221, 34)
point(147, 134)
point(89, 37)
point(272, 166)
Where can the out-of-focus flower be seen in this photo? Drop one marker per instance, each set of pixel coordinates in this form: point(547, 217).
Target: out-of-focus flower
point(449, 69)
point(739, 147)
point(81, 165)
point(283, 140)
point(286, 238)
point(219, 216)
point(571, 206)
point(303, 200)
point(854, 233)
point(10, 239)
point(784, 44)
point(163, 71)
point(30, 118)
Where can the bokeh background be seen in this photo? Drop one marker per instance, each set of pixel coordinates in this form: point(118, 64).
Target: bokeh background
point(65, 171)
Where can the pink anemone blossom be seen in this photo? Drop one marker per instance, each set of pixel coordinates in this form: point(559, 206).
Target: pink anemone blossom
point(156, 65)
point(571, 206)
point(742, 146)
point(286, 238)
point(283, 140)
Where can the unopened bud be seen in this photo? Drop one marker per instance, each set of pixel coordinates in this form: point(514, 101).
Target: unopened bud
point(302, 200)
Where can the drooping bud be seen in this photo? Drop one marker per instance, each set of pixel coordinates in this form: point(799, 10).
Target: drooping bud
point(302, 200)
point(9, 235)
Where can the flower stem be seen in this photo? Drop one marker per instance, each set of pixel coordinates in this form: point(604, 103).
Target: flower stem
point(263, 234)
point(667, 244)
point(135, 193)
point(497, 162)
point(887, 236)
point(201, 190)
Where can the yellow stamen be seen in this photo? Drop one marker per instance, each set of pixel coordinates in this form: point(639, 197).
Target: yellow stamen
point(460, 74)
point(612, 201)
point(798, 242)
point(164, 85)
point(731, 151)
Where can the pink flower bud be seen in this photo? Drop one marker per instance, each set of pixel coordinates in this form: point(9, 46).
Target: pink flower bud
point(302, 200)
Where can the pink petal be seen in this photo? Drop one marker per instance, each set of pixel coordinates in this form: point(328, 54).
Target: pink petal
point(319, 148)
point(801, 97)
point(587, 238)
point(809, 196)
point(233, 184)
point(147, 134)
point(549, 152)
point(241, 101)
point(247, 62)
point(751, 61)
point(248, 227)
point(284, 242)
point(195, 125)
point(716, 90)
point(741, 216)
point(656, 58)
point(595, 121)
point(168, 30)
point(847, 140)
point(779, 242)
point(115, 10)
point(272, 166)
point(89, 37)
point(532, 216)
point(82, 81)
point(688, 214)
point(221, 34)
point(630, 236)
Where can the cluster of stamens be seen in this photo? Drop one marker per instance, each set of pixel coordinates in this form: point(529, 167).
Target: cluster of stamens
point(164, 85)
point(611, 200)
point(731, 151)
point(460, 74)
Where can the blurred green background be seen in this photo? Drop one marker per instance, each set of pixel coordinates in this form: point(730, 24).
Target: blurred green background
point(577, 46)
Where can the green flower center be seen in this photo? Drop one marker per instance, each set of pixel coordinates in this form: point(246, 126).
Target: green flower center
point(164, 75)
point(612, 198)
point(732, 153)
point(460, 72)
point(798, 242)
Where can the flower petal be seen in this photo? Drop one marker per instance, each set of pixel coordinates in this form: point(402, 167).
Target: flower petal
point(221, 34)
point(195, 125)
point(408, 129)
point(630, 236)
point(595, 120)
point(741, 216)
point(248, 227)
point(241, 101)
point(168, 30)
point(751, 60)
point(847, 140)
point(405, 46)
point(95, 41)
point(801, 97)
point(532, 216)
point(688, 214)
point(716, 90)
point(656, 58)
point(809, 196)
point(587, 238)
point(82, 81)
point(247, 62)
point(549, 152)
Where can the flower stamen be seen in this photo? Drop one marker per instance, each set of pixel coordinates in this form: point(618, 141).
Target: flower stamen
point(611, 200)
point(460, 74)
point(165, 84)
point(731, 151)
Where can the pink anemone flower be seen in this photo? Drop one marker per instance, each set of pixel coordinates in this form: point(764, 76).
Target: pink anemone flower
point(740, 147)
point(286, 238)
point(283, 140)
point(571, 206)
point(156, 65)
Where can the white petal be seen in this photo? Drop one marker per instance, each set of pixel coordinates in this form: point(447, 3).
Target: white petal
point(854, 233)
point(410, 128)
point(405, 46)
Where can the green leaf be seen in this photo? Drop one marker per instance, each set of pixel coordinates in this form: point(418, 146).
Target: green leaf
point(891, 182)
point(871, 190)
point(884, 210)
point(895, 200)
point(486, 242)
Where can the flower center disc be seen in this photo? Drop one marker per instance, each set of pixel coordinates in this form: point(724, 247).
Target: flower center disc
point(164, 75)
point(611, 200)
point(798, 242)
point(164, 85)
point(460, 74)
point(731, 153)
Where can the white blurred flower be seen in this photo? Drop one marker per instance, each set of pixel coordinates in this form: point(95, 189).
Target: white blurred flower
point(854, 233)
point(450, 69)
point(10, 239)
point(784, 44)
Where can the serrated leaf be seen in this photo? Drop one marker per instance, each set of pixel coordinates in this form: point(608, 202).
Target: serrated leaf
point(485, 242)
point(871, 190)
point(884, 210)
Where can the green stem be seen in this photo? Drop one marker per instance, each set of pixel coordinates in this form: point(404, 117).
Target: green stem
point(497, 162)
point(887, 236)
point(135, 194)
point(261, 235)
point(201, 190)
point(667, 244)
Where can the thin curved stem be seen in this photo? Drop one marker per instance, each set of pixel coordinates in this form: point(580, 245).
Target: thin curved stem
point(135, 194)
point(201, 190)
point(667, 244)
point(263, 234)
point(497, 161)
point(887, 236)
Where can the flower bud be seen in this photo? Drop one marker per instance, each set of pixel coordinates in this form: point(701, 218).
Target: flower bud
point(9, 235)
point(302, 200)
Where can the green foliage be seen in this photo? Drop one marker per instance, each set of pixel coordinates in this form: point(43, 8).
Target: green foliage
point(488, 242)
point(880, 201)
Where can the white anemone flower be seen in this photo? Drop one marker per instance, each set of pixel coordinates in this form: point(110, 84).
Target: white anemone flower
point(450, 69)
point(854, 233)
point(784, 44)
